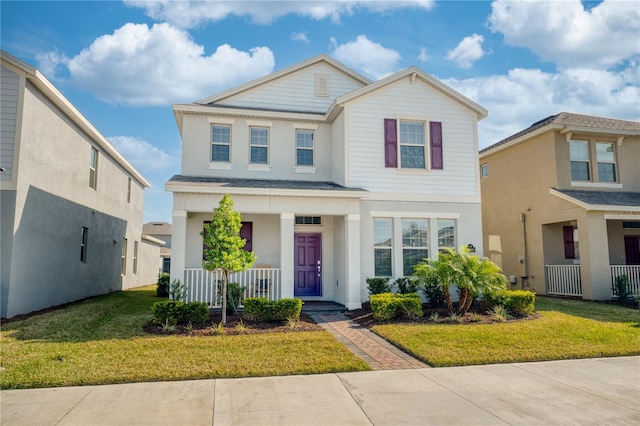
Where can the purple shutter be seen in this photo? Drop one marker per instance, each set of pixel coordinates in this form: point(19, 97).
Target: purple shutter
point(435, 131)
point(246, 232)
point(390, 143)
point(569, 252)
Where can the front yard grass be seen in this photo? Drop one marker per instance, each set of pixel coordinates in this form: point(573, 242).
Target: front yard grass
point(102, 341)
point(566, 329)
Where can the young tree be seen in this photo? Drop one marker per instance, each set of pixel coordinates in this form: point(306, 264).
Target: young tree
point(223, 246)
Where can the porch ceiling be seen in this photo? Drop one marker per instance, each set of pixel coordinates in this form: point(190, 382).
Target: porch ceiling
point(600, 200)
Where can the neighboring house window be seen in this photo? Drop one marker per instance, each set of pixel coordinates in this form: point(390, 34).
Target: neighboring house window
point(484, 170)
point(259, 145)
point(571, 246)
point(220, 143)
point(93, 169)
point(414, 243)
point(124, 257)
point(129, 191)
point(605, 156)
point(304, 147)
point(446, 233)
point(83, 244)
point(579, 154)
point(412, 146)
point(135, 257)
point(382, 238)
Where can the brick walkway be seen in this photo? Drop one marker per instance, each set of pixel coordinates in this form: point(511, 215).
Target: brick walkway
point(374, 350)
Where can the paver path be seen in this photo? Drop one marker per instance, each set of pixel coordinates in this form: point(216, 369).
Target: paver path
point(374, 350)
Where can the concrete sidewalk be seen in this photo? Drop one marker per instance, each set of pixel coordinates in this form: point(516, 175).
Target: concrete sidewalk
point(584, 392)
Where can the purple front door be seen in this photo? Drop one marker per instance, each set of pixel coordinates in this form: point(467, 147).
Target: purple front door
point(308, 265)
point(632, 249)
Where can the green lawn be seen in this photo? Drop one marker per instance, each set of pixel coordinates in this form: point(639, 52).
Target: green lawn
point(566, 329)
point(101, 341)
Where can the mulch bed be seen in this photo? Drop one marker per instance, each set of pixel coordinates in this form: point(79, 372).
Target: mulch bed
point(475, 315)
point(210, 327)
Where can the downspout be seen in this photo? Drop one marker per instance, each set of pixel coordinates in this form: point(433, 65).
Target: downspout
point(524, 273)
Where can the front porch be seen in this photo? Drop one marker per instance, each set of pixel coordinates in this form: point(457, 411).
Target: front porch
point(565, 280)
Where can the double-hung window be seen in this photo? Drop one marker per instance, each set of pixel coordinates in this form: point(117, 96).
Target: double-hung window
point(412, 145)
point(579, 154)
point(259, 145)
point(304, 147)
point(93, 169)
point(382, 241)
point(414, 243)
point(221, 143)
point(446, 233)
point(605, 156)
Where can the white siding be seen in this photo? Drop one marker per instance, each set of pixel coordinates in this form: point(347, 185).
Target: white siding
point(339, 156)
point(414, 101)
point(9, 108)
point(296, 92)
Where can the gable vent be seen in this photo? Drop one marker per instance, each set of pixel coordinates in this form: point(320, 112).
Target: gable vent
point(323, 88)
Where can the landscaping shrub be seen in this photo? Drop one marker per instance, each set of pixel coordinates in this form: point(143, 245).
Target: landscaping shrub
point(378, 285)
point(177, 290)
point(407, 285)
point(261, 309)
point(163, 285)
point(178, 312)
point(433, 292)
point(385, 306)
point(234, 297)
point(621, 289)
point(519, 303)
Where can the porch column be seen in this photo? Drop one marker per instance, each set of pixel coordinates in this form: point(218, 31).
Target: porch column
point(594, 257)
point(352, 240)
point(178, 244)
point(286, 254)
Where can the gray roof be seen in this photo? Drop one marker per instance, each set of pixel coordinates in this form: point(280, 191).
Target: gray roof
point(263, 183)
point(157, 228)
point(607, 198)
point(569, 119)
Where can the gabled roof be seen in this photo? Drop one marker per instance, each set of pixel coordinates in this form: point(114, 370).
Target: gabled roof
point(569, 122)
point(49, 90)
point(157, 228)
point(284, 72)
point(600, 200)
point(415, 73)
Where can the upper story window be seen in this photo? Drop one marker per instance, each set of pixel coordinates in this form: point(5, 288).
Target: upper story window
point(382, 250)
point(605, 156)
point(304, 147)
point(221, 143)
point(579, 154)
point(93, 169)
point(484, 170)
point(412, 146)
point(259, 145)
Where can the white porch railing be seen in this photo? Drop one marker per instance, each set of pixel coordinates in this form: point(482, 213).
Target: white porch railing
point(202, 285)
point(563, 280)
point(631, 271)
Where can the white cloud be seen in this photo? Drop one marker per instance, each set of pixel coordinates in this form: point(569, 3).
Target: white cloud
point(422, 56)
point(565, 33)
point(138, 65)
point(302, 36)
point(370, 57)
point(144, 156)
point(468, 51)
point(524, 96)
point(188, 14)
point(49, 62)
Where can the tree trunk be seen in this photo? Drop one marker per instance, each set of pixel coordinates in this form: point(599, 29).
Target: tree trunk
point(224, 296)
point(466, 299)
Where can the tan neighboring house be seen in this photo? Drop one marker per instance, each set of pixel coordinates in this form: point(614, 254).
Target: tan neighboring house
point(71, 205)
point(161, 231)
point(561, 205)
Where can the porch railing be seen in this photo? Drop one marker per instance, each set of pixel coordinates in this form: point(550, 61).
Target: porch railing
point(563, 280)
point(203, 285)
point(632, 272)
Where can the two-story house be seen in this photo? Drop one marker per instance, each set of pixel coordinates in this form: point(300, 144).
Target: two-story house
point(338, 178)
point(71, 205)
point(561, 205)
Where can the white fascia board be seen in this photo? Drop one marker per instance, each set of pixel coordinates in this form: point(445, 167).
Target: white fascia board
point(245, 113)
point(153, 240)
point(598, 130)
point(209, 188)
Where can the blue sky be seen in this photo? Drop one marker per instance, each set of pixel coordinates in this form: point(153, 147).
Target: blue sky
point(123, 64)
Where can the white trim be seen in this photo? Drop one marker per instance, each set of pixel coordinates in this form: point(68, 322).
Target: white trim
point(352, 217)
point(259, 123)
point(623, 215)
point(218, 120)
point(258, 167)
point(179, 213)
point(209, 188)
point(433, 198)
point(414, 215)
point(288, 216)
point(305, 126)
point(219, 165)
point(587, 184)
point(306, 169)
point(153, 240)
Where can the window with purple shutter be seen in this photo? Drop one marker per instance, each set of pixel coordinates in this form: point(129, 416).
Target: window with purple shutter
point(390, 143)
point(569, 247)
point(435, 132)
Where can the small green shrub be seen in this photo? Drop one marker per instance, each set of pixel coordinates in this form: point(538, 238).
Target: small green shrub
point(433, 292)
point(378, 285)
point(234, 297)
point(385, 306)
point(177, 290)
point(499, 313)
point(621, 289)
point(261, 309)
point(194, 312)
point(407, 285)
point(163, 285)
point(178, 312)
point(519, 303)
